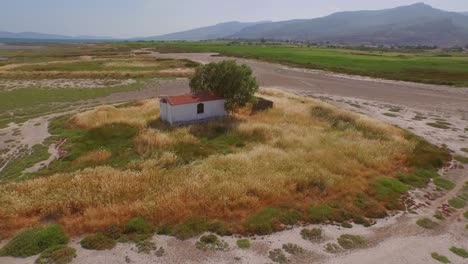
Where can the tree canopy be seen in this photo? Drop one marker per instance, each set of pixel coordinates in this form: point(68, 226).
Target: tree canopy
point(235, 83)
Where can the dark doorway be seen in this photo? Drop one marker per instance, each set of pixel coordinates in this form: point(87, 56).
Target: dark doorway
point(200, 108)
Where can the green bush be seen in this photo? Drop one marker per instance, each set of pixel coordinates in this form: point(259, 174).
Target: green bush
point(314, 234)
point(277, 255)
point(460, 252)
point(457, 203)
point(290, 217)
point(98, 242)
point(347, 241)
point(444, 184)
point(293, 249)
point(211, 242)
point(139, 225)
point(389, 190)
point(426, 223)
point(263, 222)
point(114, 231)
point(465, 214)
point(33, 241)
point(190, 228)
point(440, 258)
point(419, 178)
point(59, 254)
point(243, 243)
point(332, 248)
point(320, 213)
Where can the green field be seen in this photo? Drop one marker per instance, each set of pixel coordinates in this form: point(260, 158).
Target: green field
point(435, 67)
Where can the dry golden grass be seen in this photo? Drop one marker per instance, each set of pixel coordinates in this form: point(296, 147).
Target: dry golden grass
point(138, 115)
point(296, 161)
point(95, 156)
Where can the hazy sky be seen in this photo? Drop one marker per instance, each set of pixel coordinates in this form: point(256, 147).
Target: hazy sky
point(131, 18)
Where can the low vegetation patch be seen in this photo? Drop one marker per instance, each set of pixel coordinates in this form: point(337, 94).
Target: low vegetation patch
point(459, 251)
point(98, 242)
point(34, 241)
point(440, 258)
point(277, 255)
point(59, 254)
point(347, 241)
point(314, 234)
point(444, 183)
point(293, 249)
point(427, 223)
point(251, 173)
point(332, 248)
point(211, 242)
point(457, 203)
point(461, 159)
point(243, 243)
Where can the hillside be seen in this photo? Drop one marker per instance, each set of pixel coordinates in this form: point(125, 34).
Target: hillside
point(417, 24)
point(36, 35)
point(217, 31)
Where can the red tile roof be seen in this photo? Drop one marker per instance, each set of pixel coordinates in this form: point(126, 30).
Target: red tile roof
point(191, 98)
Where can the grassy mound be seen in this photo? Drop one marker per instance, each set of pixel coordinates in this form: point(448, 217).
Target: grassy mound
point(33, 241)
point(57, 255)
point(351, 241)
point(98, 242)
point(302, 161)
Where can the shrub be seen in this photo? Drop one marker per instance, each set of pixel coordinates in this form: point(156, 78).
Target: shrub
point(439, 215)
point(314, 234)
point(114, 231)
point(426, 155)
point(290, 217)
point(465, 214)
point(33, 241)
point(440, 258)
point(461, 159)
point(419, 178)
point(139, 225)
point(59, 254)
point(263, 222)
point(320, 213)
point(332, 248)
point(277, 255)
point(347, 241)
point(460, 252)
point(427, 223)
point(98, 242)
point(293, 249)
point(389, 190)
point(145, 246)
point(243, 243)
point(444, 184)
point(211, 242)
point(456, 203)
point(190, 228)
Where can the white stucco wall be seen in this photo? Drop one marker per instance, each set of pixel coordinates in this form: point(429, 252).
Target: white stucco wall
point(185, 113)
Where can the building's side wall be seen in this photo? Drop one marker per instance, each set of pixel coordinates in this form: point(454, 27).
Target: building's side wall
point(188, 112)
point(163, 111)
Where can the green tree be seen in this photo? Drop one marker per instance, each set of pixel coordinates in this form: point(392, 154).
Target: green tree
point(235, 83)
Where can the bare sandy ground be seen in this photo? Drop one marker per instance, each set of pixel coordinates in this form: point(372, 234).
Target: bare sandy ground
point(6, 84)
point(396, 239)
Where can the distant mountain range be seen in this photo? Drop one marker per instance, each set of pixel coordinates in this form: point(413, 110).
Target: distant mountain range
point(223, 30)
point(417, 24)
point(39, 36)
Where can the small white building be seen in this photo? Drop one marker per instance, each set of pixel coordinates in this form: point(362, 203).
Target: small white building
point(190, 108)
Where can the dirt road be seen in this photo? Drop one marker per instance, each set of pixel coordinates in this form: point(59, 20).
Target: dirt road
point(428, 97)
